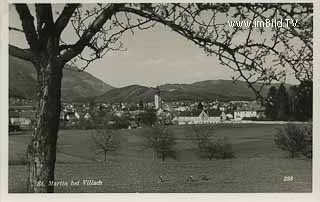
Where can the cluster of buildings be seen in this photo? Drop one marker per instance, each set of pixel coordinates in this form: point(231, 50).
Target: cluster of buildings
point(72, 113)
point(22, 114)
point(188, 112)
point(177, 112)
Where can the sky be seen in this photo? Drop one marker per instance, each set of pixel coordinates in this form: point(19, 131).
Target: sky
point(153, 57)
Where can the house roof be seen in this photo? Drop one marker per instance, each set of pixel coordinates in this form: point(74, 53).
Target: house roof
point(250, 108)
point(190, 113)
point(214, 112)
point(210, 113)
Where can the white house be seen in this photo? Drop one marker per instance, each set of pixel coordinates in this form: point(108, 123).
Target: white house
point(181, 108)
point(21, 121)
point(222, 108)
point(229, 116)
point(248, 112)
point(198, 117)
point(240, 114)
point(87, 116)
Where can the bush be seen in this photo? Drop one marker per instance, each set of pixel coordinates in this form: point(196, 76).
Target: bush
point(85, 124)
point(291, 139)
point(307, 152)
point(148, 117)
point(250, 119)
point(224, 148)
point(209, 145)
point(220, 149)
point(120, 123)
point(162, 141)
point(14, 128)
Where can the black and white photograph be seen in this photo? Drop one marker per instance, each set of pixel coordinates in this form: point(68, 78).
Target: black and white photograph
point(160, 97)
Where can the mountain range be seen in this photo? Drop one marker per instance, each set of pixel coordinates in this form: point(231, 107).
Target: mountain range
point(222, 90)
point(83, 87)
point(76, 86)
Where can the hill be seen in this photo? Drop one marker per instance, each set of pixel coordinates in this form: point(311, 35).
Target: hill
point(227, 89)
point(223, 90)
point(82, 86)
point(76, 86)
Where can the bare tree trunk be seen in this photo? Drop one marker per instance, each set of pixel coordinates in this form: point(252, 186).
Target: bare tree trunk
point(42, 149)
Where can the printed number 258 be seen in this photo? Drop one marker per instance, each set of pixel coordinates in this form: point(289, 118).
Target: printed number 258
point(288, 178)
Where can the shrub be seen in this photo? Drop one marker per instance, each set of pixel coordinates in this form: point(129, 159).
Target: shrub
point(220, 149)
point(224, 148)
point(291, 139)
point(307, 152)
point(250, 118)
point(148, 117)
point(162, 141)
point(85, 124)
point(209, 145)
point(120, 123)
point(14, 128)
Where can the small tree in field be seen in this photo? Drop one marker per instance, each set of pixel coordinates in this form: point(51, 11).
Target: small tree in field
point(162, 141)
point(203, 137)
point(223, 149)
point(291, 139)
point(105, 141)
point(209, 144)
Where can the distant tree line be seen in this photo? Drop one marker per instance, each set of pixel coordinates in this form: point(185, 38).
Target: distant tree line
point(294, 104)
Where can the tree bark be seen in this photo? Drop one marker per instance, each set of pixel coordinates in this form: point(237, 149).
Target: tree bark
point(42, 149)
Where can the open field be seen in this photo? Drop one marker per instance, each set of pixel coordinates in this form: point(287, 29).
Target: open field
point(259, 165)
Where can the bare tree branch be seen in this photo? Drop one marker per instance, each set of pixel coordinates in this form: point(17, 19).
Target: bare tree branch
point(89, 33)
point(15, 29)
point(65, 16)
point(246, 55)
point(28, 26)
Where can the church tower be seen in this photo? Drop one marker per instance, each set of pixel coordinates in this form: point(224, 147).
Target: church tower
point(157, 99)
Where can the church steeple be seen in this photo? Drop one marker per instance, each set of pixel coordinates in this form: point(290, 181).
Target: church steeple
point(157, 99)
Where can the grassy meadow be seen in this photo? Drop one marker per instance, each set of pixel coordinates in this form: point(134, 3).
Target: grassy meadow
point(258, 166)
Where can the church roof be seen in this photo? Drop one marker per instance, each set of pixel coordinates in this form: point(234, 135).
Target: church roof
point(196, 113)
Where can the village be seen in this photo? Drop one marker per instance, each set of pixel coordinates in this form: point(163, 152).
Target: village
point(22, 112)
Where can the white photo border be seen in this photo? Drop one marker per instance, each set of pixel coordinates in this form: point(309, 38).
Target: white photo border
point(83, 197)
